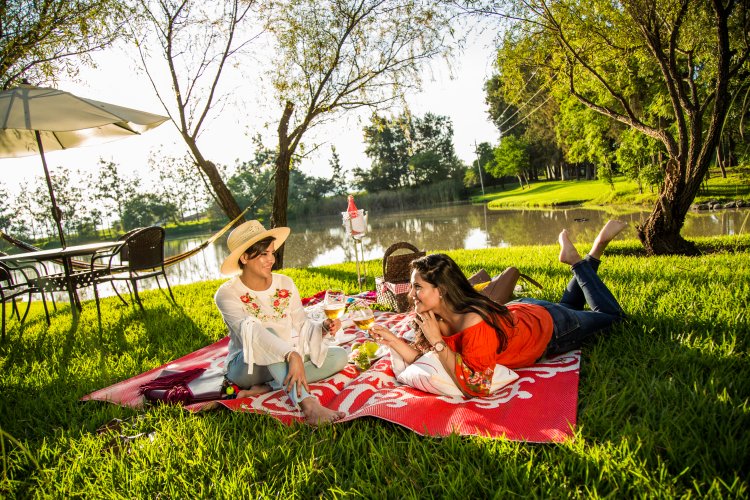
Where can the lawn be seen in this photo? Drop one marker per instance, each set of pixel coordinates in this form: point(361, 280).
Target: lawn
point(664, 404)
point(600, 193)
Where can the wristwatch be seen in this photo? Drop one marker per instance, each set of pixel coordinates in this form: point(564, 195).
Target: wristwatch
point(439, 346)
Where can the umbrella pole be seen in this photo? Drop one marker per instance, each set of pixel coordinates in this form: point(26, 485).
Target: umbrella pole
point(56, 212)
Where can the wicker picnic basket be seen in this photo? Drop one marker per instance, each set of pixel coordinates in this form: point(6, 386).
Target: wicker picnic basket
point(393, 287)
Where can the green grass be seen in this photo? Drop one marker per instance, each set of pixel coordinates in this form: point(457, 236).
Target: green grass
point(664, 406)
point(600, 193)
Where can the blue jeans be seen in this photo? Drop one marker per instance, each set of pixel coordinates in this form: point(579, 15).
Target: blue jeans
point(275, 374)
point(573, 325)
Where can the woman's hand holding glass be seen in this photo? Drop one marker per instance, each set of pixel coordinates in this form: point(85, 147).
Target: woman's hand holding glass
point(383, 335)
point(331, 326)
point(334, 304)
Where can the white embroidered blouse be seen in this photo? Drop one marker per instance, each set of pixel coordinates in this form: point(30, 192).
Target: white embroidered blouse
point(265, 325)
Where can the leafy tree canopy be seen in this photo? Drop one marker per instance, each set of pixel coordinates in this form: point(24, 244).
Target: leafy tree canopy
point(42, 40)
point(147, 210)
point(669, 69)
point(408, 151)
point(511, 157)
point(340, 55)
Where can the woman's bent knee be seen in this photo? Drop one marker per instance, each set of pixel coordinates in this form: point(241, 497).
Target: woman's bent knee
point(511, 272)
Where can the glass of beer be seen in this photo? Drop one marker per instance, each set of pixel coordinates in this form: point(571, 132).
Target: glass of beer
point(362, 316)
point(334, 303)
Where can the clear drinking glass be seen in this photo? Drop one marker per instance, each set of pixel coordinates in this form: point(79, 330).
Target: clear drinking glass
point(334, 303)
point(362, 316)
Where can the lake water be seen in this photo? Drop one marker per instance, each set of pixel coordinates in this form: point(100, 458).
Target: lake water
point(322, 241)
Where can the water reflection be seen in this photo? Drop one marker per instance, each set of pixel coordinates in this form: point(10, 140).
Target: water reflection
point(323, 241)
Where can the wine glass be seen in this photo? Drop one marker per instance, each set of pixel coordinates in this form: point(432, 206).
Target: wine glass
point(362, 315)
point(334, 303)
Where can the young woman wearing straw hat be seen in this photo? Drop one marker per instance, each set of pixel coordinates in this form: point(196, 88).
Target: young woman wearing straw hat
point(272, 343)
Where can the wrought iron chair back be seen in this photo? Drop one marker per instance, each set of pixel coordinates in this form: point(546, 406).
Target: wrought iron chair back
point(144, 249)
point(39, 278)
point(15, 282)
point(140, 256)
point(124, 250)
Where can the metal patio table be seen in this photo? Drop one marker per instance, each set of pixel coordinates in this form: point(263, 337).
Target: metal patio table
point(70, 280)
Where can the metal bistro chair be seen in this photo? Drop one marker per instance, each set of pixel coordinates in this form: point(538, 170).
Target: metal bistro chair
point(117, 262)
point(38, 282)
point(139, 256)
point(11, 288)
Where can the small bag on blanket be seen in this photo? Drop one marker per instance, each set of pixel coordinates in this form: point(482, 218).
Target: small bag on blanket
point(184, 387)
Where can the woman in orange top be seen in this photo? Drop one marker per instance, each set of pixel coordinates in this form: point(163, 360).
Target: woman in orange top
point(471, 334)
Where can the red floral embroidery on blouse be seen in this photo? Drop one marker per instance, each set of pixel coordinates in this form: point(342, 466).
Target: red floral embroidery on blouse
point(280, 304)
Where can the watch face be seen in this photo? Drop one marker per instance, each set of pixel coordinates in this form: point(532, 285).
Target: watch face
point(439, 346)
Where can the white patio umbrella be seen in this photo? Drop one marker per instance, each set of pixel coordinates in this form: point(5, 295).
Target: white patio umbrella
point(35, 119)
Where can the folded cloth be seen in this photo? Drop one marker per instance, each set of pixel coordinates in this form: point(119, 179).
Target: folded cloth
point(171, 386)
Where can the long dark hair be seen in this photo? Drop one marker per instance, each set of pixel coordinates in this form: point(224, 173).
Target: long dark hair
point(460, 296)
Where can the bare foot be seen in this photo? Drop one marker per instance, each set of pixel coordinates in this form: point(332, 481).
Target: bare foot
point(316, 414)
point(568, 253)
point(255, 390)
point(611, 229)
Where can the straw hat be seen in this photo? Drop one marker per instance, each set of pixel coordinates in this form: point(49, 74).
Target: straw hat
point(243, 237)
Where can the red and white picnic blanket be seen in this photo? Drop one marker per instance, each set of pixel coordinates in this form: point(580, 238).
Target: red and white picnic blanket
point(540, 406)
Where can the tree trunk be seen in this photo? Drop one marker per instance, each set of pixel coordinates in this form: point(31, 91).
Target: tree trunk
point(685, 169)
point(731, 156)
point(281, 191)
point(660, 232)
point(280, 200)
point(226, 201)
point(221, 192)
point(720, 161)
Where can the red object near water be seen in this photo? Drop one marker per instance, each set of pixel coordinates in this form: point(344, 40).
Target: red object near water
point(352, 208)
point(353, 215)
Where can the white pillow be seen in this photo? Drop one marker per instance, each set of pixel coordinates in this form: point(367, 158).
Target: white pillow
point(429, 375)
